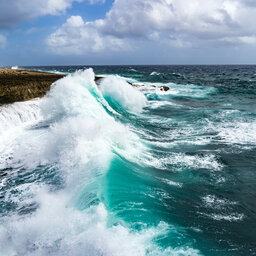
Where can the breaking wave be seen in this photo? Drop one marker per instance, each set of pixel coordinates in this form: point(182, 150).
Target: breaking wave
point(18, 114)
point(58, 206)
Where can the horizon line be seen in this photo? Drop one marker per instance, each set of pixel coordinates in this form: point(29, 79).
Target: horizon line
point(77, 65)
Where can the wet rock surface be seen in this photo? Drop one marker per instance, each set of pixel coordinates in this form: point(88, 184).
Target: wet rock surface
point(164, 88)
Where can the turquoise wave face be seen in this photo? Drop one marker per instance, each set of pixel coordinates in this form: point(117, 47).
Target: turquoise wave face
point(112, 169)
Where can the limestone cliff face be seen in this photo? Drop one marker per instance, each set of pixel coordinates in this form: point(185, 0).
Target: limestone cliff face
point(21, 85)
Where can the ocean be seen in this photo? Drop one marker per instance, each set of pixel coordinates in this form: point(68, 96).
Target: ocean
point(116, 170)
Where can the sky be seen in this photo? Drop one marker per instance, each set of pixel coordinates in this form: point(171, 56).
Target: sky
point(126, 32)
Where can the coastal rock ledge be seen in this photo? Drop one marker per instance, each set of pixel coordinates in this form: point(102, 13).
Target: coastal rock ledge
point(22, 85)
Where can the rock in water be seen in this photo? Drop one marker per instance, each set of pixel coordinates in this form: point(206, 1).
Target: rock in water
point(164, 88)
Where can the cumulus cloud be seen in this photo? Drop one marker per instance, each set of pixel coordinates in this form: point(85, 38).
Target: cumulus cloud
point(13, 12)
point(2, 41)
point(76, 36)
point(179, 23)
point(201, 19)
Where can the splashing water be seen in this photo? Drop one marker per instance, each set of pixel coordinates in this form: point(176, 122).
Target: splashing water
point(111, 169)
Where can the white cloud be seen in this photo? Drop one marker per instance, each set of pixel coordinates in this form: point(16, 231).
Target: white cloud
point(76, 36)
point(201, 19)
point(179, 23)
point(13, 12)
point(2, 41)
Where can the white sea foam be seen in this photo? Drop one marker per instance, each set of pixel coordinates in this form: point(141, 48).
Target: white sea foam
point(123, 94)
point(232, 217)
point(217, 128)
point(197, 161)
point(154, 73)
point(14, 67)
point(56, 228)
point(79, 144)
point(242, 133)
point(191, 90)
point(182, 161)
point(13, 119)
point(172, 183)
point(222, 209)
point(178, 90)
point(214, 202)
point(19, 113)
point(83, 133)
point(164, 103)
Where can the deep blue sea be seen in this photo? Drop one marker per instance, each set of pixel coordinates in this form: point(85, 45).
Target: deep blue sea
point(116, 170)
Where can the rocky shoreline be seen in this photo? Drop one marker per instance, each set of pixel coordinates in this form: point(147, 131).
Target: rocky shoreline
point(23, 85)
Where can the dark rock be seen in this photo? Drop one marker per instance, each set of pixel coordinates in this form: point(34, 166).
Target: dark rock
point(164, 88)
point(136, 85)
point(98, 79)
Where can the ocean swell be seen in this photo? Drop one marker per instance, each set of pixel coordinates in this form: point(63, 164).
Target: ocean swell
point(73, 145)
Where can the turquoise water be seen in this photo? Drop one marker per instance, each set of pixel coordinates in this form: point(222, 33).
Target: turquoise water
point(110, 169)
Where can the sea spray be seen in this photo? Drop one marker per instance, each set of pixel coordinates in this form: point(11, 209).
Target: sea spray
point(78, 144)
point(121, 94)
point(14, 118)
point(179, 175)
point(19, 113)
point(58, 229)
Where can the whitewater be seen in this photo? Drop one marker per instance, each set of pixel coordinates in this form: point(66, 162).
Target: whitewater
point(112, 169)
